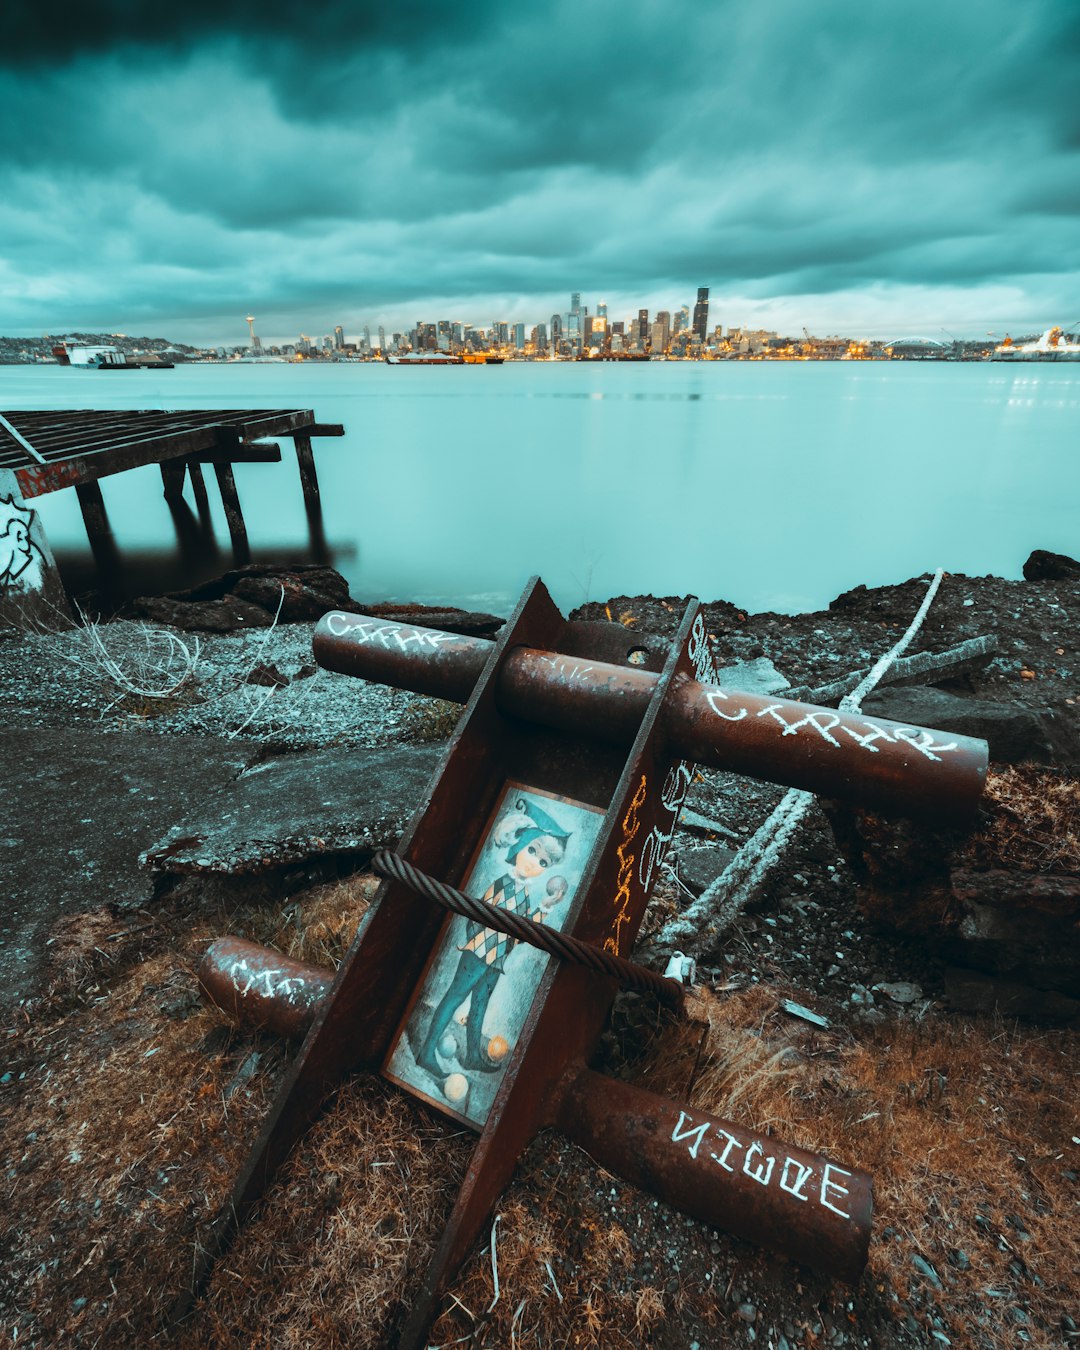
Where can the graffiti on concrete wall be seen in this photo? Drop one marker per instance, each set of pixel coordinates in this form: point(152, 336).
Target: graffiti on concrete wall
point(21, 560)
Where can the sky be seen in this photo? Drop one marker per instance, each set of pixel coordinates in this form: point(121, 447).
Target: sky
point(873, 170)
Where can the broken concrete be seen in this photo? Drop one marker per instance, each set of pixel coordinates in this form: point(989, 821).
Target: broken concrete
point(293, 807)
point(81, 805)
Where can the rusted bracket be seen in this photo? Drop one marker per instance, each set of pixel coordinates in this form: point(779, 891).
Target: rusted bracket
point(587, 728)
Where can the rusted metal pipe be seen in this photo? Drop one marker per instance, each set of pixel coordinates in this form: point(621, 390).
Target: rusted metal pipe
point(262, 989)
point(888, 766)
point(749, 1184)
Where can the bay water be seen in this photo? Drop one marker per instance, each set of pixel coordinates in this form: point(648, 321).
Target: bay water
point(773, 485)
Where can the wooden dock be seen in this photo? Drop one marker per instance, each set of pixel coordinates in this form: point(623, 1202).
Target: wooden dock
point(42, 452)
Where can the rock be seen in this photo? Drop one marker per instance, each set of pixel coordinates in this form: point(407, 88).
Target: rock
point(301, 599)
point(959, 1259)
point(266, 674)
point(925, 1268)
point(250, 597)
point(901, 992)
point(747, 1312)
point(1044, 566)
point(210, 616)
point(759, 676)
point(697, 868)
point(1015, 734)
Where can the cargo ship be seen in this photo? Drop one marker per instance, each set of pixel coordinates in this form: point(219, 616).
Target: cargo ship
point(1052, 346)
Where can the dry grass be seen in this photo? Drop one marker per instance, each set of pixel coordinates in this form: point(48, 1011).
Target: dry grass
point(1034, 820)
point(967, 1127)
point(138, 1107)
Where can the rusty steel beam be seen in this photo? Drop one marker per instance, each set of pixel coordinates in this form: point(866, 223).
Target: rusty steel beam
point(885, 765)
point(751, 1185)
point(262, 989)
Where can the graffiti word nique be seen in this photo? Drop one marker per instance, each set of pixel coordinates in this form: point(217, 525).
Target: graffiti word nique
point(391, 636)
point(631, 823)
point(767, 1169)
point(863, 731)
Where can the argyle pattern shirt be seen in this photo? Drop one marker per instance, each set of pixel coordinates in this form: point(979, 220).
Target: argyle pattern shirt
point(485, 943)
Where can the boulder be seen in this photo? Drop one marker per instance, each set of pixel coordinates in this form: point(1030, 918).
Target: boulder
point(226, 615)
point(1044, 566)
point(249, 597)
point(1001, 902)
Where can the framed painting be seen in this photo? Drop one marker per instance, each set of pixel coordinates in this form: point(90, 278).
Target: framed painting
point(472, 1001)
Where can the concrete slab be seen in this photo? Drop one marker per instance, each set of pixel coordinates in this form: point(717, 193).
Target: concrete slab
point(759, 676)
point(297, 806)
point(80, 806)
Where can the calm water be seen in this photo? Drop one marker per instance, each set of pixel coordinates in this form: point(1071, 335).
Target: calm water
point(774, 486)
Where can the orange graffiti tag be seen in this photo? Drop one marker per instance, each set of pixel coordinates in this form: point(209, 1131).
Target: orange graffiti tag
point(630, 826)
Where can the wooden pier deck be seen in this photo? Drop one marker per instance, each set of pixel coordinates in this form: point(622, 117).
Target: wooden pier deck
point(45, 451)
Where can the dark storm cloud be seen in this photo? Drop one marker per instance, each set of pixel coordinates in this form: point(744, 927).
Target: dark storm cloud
point(343, 160)
point(57, 33)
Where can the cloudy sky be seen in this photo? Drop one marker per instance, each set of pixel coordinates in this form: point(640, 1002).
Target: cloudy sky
point(861, 168)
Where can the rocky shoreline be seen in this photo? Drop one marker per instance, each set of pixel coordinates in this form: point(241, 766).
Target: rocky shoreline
point(221, 684)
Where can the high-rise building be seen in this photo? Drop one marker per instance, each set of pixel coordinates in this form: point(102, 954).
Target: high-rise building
point(643, 326)
point(575, 302)
point(556, 328)
point(519, 337)
point(541, 337)
point(339, 337)
point(382, 338)
point(444, 335)
point(701, 314)
point(661, 331)
point(601, 310)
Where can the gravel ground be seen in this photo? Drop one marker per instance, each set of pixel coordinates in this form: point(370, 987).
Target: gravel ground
point(804, 938)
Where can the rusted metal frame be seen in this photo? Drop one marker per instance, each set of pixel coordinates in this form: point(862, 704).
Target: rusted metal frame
point(91, 433)
point(239, 452)
point(308, 478)
point(392, 946)
point(562, 946)
point(886, 765)
point(17, 436)
point(571, 1004)
point(750, 1185)
point(262, 988)
point(38, 479)
point(323, 429)
point(230, 501)
point(172, 479)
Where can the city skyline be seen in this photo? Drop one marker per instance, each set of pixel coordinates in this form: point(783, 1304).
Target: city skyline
point(836, 168)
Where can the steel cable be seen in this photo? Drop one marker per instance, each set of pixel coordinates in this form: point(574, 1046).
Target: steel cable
point(560, 945)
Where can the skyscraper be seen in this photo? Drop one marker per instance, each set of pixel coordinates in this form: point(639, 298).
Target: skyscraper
point(643, 326)
point(575, 301)
point(701, 314)
point(339, 338)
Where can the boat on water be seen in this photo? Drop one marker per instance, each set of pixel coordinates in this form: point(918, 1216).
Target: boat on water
point(106, 358)
point(1052, 346)
point(425, 359)
point(481, 359)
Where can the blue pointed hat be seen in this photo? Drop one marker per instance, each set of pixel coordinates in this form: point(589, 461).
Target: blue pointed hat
point(542, 824)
